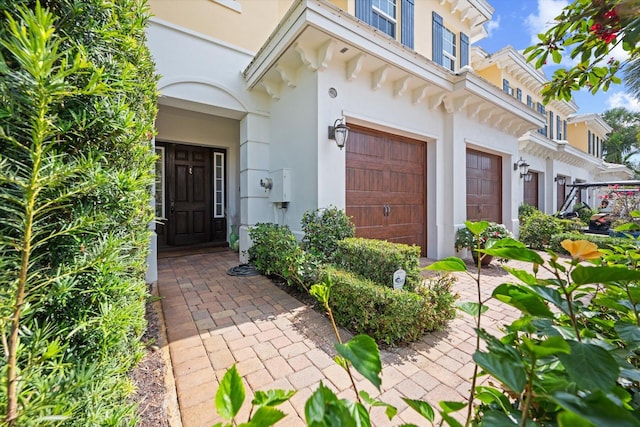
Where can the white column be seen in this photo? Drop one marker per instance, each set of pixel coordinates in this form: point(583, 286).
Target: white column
point(254, 165)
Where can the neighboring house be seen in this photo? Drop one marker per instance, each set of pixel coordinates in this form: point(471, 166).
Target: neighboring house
point(249, 88)
point(567, 149)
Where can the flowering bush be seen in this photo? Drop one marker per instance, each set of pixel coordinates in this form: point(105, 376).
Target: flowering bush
point(621, 201)
point(466, 239)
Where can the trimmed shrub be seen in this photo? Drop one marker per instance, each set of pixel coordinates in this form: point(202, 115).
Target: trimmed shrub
point(276, 252)
point(323, 228)
point(525, 211)
point(602, 241)
point(378, 260)
point(389, 316)
point(537, 230)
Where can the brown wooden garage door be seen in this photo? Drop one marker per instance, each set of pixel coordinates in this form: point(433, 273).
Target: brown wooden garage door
point(386, 186)
point(531, 190)
point(484, 187)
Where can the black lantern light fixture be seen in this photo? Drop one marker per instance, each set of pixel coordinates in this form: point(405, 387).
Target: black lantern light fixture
point(523, 166)
point(339, 132)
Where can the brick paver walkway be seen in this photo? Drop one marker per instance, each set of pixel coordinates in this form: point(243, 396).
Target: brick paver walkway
point(214, 320)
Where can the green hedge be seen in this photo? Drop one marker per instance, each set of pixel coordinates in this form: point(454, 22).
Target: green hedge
point(323, 229)
point(602, 241)
point(378, 260)
point(538, 228)
point(78, 90)
point(276, 252)
point(389, 316)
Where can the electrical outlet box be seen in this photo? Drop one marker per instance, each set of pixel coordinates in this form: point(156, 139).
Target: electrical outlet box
point(281, 191)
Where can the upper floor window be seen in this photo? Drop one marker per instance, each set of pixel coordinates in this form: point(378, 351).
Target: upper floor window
point(445, 45)
point(505, 85)
point(543, 111)
point(529, 101)
point(384, 15)
point(519, 94)
point(558, 128)
point(589, 142)
point(448, 49)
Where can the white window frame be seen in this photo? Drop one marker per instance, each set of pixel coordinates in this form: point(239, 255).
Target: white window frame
point(161, 153)
point(385, 15)
point(218, 183)
point(445, 54)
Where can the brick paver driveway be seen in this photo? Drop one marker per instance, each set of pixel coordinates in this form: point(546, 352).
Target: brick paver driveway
point(214, 320)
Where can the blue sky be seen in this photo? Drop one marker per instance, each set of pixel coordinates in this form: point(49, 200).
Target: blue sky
point(517, 22)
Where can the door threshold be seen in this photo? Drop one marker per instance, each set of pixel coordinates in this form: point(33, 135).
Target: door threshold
point(203, 248)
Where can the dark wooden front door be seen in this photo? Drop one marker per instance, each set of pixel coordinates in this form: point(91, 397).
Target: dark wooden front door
point(531, 190)
point(484, 186)
point(189, 194)
point(386, 187)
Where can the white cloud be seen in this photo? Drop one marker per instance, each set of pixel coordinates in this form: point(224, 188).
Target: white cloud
point(544, 18)
point(493, 25)
point(622, 99)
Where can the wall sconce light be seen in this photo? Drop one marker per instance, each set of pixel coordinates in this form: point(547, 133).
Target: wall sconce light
point(523, 166)
point(339, 132)
point(561, 180)
point(528, 177)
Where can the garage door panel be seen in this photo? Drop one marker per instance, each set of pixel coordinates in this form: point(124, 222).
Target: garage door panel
point(400, 215)
point(367, 216)
point(406, 152)
point(364, 180)
point(367, 146)
point(399, 164)
point(484, 186)
point(405, 182)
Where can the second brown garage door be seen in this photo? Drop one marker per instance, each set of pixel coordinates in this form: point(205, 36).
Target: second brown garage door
point(484, 187)
point(386, 186)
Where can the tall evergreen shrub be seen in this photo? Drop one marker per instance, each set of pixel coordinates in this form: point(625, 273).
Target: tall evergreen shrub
point(77, 105)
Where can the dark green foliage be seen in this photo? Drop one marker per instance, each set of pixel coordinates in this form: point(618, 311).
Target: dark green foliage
point(323, 228)
point(602, 241)
point(584, 213)
point(538, 229)
point(389, 317)
point(378, 260)
point(525, 211)
point(276, 252)
point(77, 105)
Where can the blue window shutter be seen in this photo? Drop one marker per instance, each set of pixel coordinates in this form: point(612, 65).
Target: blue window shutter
point(505, 85)
point(407, 23)
point(565, 130)
point(519, 94)
point(464, 50)
point(589, 140)
point(364, 10)
point(550, 124)
point(437, 38)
